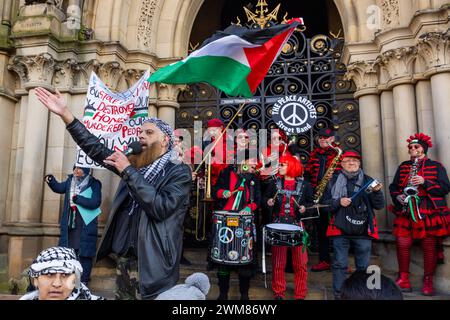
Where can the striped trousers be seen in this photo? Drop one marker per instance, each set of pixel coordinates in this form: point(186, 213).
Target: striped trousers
point(299, 263)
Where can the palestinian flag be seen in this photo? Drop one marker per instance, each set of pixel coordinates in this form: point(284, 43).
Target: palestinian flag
point(235, 60)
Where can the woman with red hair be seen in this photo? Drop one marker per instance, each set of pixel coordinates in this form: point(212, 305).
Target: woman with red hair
point(288, 195)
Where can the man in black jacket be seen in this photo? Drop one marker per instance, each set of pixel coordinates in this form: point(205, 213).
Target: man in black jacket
point(145, 226)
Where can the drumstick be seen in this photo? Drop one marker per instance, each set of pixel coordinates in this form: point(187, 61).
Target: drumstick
point(278, 191)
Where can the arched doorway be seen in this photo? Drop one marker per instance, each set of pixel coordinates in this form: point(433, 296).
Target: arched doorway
point(309, 66)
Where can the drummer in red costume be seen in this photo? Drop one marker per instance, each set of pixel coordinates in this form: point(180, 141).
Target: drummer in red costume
point(289, 195)
point(425, 216)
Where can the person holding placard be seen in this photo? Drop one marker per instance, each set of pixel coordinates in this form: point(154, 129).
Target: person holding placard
point(79, 219)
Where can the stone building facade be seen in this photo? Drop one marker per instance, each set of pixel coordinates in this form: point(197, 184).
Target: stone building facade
point(397, 53)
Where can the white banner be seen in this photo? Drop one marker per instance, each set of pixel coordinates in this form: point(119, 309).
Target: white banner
point(115, 118)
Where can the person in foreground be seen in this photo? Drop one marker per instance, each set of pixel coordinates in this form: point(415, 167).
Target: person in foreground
point(361, 286)
point(195, 287)
point(144, 231)
point(56, 273)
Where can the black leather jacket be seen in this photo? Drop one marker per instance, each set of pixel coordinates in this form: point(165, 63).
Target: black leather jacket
point(163, 206)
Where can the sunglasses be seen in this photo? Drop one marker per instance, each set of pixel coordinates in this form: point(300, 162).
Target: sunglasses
point(414, 147)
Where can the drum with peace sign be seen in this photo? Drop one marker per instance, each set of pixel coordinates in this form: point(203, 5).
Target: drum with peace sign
point(232, 238)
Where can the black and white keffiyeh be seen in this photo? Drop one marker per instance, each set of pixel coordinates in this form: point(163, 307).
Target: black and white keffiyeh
point(55, 260)
point(164, 127)
point(59, 260)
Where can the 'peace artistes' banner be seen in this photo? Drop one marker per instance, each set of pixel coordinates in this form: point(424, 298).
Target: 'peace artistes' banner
point(115, 118)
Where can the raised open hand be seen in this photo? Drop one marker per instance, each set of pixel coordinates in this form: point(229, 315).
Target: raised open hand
point(55, 103)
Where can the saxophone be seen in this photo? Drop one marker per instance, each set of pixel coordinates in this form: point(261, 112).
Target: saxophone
point(410, 189)
point(411, 192)
point(327, 176)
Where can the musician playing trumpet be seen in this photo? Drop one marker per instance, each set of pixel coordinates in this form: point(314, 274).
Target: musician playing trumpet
point(289, 195)
point(353, 198)
point(418, 193)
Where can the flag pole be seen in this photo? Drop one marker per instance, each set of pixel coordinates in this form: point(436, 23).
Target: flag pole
point(220, 137)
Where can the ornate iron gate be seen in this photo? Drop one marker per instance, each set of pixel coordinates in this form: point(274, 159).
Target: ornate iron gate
point(306, 67)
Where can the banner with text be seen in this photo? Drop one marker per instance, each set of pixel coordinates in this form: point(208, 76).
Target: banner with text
point(115, 118)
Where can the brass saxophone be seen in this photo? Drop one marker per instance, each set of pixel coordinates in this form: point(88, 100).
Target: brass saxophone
point(327, 176)
point(410, 189)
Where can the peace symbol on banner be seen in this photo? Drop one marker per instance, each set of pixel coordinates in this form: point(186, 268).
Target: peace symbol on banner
point(294, 114)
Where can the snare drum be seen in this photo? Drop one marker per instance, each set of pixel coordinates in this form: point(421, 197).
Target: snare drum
point(285, 235)
point(232, 238)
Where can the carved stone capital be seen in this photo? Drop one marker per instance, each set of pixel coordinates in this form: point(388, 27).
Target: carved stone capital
point(365, 76)
point(399, 63)
point(65, 73)
point(33, 70)
point(168, 94)
point(110, 73)
point(131, 76)
point(434, 49)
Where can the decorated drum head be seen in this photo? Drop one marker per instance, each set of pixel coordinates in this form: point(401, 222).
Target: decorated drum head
point(284, 227)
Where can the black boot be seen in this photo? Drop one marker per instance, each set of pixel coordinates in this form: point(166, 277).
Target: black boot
point(244, 286)
point(224, 285)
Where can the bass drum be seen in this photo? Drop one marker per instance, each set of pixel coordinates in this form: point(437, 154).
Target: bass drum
point(232, 238)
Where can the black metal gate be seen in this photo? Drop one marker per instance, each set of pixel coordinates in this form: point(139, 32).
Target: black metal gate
point(306, 67)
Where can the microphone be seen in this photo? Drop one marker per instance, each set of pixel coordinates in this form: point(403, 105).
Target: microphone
point(133, 148)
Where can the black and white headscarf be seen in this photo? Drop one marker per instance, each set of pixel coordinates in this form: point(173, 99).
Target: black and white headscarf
point(59, 260)
point(151, 171)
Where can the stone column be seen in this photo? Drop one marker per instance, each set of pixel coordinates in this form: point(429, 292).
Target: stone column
point(440, 84)
point(399, 66)
point(168, 102)
point(33, 71)
point(389, 147)
point(435, 51)
point(365, 77)
point(425, 117)
point(405, 117)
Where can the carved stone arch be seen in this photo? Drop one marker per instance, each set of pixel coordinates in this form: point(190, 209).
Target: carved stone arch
point(349, 19)
point(174, 27)
point(102, 20)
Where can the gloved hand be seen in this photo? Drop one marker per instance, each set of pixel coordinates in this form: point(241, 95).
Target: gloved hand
point(226, 194)
point(74, 199)
point(48, 178)
point(246, 210)
point(241, 188)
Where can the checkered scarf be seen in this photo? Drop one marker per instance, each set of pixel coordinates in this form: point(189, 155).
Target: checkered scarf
point(164, 127)
point(59, 260)
point(56, 260)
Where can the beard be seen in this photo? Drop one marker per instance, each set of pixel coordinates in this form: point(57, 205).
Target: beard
point(147, 156)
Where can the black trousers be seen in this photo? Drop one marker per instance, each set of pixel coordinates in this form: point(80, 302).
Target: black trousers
point(324, 242)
